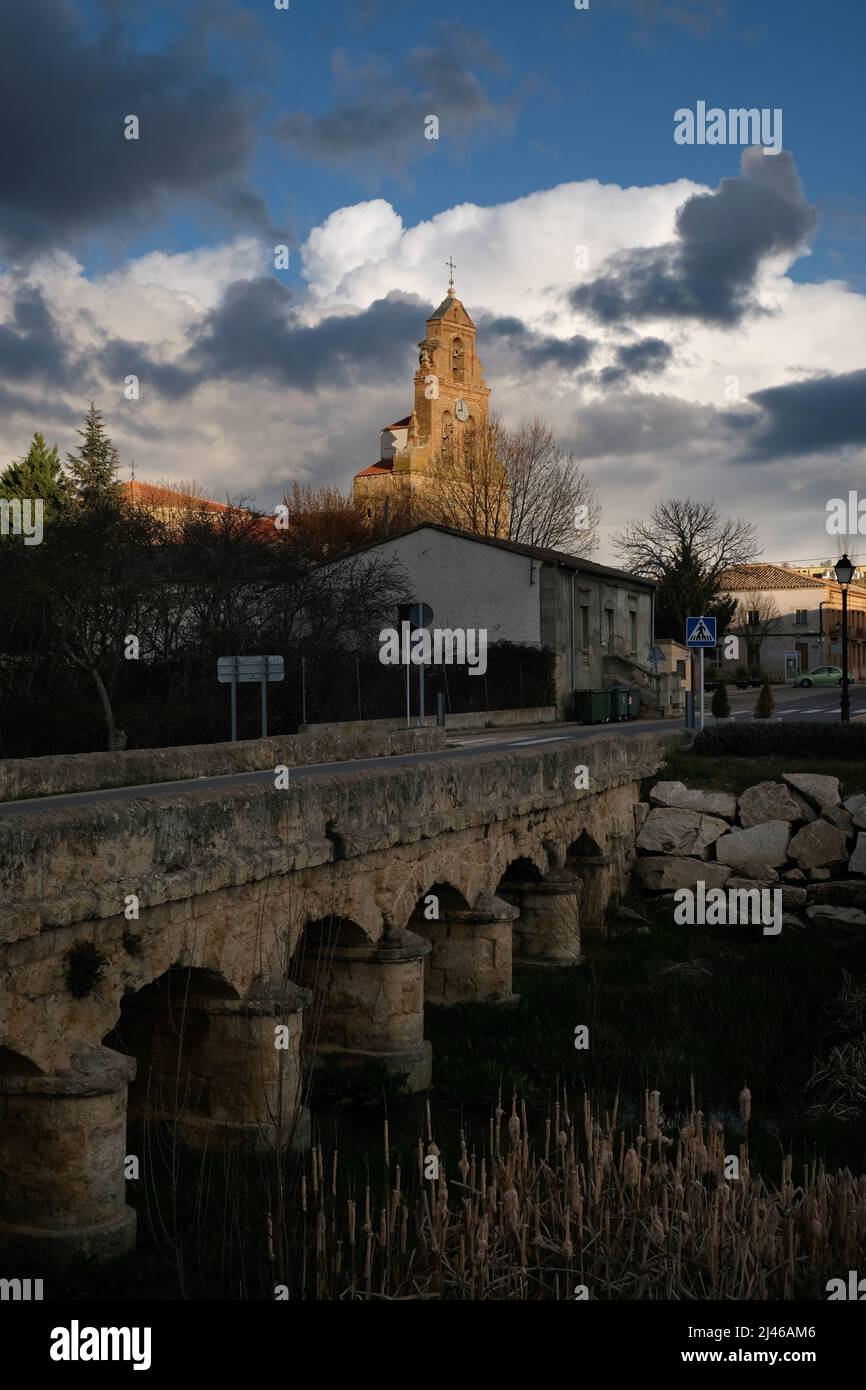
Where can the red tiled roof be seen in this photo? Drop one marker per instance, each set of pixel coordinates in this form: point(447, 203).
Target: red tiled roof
point(757, 577)
point(383, 466)
point(155, 496)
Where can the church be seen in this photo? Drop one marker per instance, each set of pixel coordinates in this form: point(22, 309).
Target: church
point(449, 413)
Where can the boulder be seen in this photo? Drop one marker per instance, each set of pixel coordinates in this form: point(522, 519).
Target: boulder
point(743, 881)
point(641, 811)
point(819, 875)
point(831, 917)
point(854, 803)
point(857, 862)
point(761, 844)
point(668, 830)
point(837, 815)
point(793, 899)
point(660, 872)
point(819, 791)
point(793, 876)
point(768, 801)
point(845, 892)
point(818, 845)
point(678, 795)
point(858, 818)
point(765, 872)
point(791, 922)
point(807, 812)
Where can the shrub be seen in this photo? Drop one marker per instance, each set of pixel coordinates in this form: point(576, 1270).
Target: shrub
point(797, 739)
point(765, 704)
point(721, 706)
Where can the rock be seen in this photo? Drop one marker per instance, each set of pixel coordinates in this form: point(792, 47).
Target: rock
point(661, 872)
point(818, 844)
point(819, 791)
point(768, 801)
point(857, 862)
point(668, 830)
point(847, 920)
point(793, 898)
point(641, 811)
point(744, 882)
point(859, 818)
point(807, 813)
point(626, 922)
point(794, 876)
point(845, 892)
point(792, 922)
point(761, 844)
point(765, 872)
point(854, 803)
point(837, 815)
point(819, 875)
point(678, 795)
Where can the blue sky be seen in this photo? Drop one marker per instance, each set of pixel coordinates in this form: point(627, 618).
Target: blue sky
point(583, 94)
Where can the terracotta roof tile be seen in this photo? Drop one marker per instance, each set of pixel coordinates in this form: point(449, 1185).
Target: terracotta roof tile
point(740, 578)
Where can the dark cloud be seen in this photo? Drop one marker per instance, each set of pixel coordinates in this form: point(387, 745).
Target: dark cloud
point(805, 417)
point(30, 345)
point(534, 349)
point(377, 122)
point(659, 427)
point(68, 169)
point(709, 272)
point(646, 357)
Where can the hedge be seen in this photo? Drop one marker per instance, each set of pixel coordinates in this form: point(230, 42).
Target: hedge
point(801, 739)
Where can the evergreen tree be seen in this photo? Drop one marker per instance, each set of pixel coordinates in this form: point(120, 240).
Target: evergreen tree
point(765, 704)
point(38, 474)
point(721, 706)
point(92, 468)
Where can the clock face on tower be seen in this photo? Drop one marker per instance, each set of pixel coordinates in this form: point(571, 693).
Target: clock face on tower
point(461, 410)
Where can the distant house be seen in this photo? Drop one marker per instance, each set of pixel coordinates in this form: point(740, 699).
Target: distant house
point(598, 622)
point(791, 619)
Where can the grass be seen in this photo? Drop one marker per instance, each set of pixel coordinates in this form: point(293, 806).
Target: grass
point(735, 774)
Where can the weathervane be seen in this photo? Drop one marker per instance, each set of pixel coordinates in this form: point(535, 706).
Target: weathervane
point(451, 266)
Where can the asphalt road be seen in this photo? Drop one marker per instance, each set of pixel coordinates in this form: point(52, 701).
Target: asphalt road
point(810, 704)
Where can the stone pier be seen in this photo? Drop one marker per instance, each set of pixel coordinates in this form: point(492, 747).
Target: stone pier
point(547, 930)
point(470, 960)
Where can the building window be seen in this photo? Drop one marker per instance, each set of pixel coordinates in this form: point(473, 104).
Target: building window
point(632, 631)
point(681, 670)
point(801, 617)
point(608, 613)
point(584, 626)
point(457, 359)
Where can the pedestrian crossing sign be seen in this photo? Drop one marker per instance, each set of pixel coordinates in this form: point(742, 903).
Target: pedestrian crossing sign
point(700, 632)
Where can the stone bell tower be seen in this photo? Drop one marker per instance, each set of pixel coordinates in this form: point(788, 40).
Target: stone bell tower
point(451, 401)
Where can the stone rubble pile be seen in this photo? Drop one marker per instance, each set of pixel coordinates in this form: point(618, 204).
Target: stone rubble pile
point(796, 835)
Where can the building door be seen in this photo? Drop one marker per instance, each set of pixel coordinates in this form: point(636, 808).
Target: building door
point(803, 654)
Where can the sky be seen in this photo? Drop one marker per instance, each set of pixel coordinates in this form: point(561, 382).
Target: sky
point(689, 318)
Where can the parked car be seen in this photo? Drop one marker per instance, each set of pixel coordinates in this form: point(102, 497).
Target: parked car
point(824, 675)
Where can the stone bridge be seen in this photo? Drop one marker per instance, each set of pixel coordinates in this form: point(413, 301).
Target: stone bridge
point(194, 954)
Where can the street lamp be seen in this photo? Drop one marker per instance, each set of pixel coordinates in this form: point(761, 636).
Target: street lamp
point(844, 575)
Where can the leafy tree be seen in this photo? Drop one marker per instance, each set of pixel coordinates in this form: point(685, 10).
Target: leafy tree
point(721, 706)
point(765, 704)
point(39, 474)
point(93, 467)
point(685, 547)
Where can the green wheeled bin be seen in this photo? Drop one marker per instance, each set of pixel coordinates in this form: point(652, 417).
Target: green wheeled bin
point(592, 706)
point(619, 703)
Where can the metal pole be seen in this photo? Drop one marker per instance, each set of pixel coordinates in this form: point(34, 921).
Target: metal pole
point(404, 649)
point(702, 687)
point(421, 694)
point(358, 680)
point(846, 699)
point(265, 701)
point(303, 690)
point(235, 701)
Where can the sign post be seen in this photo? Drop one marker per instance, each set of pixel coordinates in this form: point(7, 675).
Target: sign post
point(700, 634)
point(235, 670)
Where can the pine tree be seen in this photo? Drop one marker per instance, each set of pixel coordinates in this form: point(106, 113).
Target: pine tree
point(721, 706)
point(92, 468)
point(765, 704)
point(38, 474)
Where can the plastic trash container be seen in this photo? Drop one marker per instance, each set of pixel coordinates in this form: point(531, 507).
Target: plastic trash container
point(592, 706)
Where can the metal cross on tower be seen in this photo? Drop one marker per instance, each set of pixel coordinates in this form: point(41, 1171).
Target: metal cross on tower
point(451, 266)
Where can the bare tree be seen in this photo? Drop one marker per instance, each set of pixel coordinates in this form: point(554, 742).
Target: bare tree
point(519, 484)
point(685, 547)
point(756, 616)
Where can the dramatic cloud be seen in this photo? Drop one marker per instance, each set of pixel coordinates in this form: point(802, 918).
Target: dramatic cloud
point(647, 357)
point(533, 349)
point(377, 123)
point(68, 169)
point(723, 239)
point(31, 348)
point(807, 417)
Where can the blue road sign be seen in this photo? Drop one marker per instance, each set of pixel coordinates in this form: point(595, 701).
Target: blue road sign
point(700, 632)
